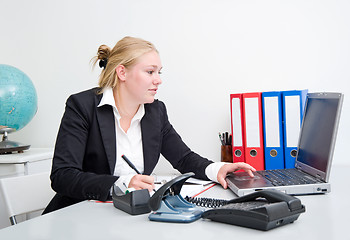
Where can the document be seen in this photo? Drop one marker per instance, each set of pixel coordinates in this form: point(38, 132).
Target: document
point(190, 188)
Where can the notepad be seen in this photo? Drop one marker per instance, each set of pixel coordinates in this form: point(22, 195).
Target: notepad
point(191, 187)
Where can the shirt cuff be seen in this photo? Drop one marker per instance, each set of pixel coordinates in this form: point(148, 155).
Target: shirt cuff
point(212, 170)
point(123, 182)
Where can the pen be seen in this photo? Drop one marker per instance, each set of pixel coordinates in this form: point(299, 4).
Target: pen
point(221, 140)
point(130, 164)
point(230, 140)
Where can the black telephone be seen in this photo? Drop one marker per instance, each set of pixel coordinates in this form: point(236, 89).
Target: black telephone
point(263, 210)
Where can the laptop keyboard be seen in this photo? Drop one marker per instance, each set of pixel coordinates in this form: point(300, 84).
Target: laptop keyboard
point(283, 177)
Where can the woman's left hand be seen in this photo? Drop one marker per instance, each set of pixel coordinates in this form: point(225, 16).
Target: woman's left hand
point(232, 167)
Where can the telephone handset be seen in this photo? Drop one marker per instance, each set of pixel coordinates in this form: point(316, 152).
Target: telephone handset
point(261, 210)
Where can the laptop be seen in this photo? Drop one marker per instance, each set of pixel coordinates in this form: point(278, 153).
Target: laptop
point(314, 156)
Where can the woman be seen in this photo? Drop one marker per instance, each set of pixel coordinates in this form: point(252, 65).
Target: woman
point(121, 117)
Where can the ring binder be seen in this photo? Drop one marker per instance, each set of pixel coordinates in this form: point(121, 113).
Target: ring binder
point(293, 110)
point(236, 105)
point(273, 130)
point(252, 129)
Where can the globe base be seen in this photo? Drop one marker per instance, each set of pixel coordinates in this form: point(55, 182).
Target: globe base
point(7, 146)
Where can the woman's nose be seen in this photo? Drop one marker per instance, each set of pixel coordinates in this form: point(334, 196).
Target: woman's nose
point(157, 80)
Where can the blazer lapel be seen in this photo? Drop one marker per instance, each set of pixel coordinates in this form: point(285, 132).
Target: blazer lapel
point(105, 119)
point(150, 128)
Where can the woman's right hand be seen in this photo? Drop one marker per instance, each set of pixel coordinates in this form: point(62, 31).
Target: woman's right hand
point(142, 182)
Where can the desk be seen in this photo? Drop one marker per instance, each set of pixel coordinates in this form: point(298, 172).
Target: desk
point(31, 161)
point(324, 219)
point(34, 160)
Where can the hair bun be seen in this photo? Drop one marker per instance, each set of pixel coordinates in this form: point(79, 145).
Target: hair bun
point(103, 54)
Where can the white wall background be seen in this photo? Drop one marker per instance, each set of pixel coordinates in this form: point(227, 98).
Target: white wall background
point(209, 49)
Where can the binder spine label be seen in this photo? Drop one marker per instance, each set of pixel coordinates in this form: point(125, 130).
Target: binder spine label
point(272, 122)
point(237, 122)
point(252, 122)
point(293, 120)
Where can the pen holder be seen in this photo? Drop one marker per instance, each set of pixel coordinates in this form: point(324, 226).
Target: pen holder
point(226, 153)
point(134, 203)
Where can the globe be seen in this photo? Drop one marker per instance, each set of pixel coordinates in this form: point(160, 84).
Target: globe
point(18, 99)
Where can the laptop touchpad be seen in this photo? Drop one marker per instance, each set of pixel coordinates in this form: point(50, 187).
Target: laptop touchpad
point(243, 180)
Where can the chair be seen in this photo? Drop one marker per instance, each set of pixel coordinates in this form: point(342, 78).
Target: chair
point(25, 194)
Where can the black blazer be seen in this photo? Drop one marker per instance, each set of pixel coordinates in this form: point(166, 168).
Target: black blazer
point(85, 151)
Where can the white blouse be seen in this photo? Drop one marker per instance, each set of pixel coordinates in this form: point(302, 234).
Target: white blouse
point(130, 144)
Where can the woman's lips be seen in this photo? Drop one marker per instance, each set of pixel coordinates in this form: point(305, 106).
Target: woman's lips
point(153, 90)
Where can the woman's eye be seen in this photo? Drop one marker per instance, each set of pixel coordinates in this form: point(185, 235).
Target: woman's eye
point(159, 72)
point(150, 72)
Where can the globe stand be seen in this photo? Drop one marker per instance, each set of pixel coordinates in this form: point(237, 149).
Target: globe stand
point(7, 146)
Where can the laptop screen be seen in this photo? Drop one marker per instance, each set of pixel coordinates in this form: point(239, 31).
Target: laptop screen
point(318, 131)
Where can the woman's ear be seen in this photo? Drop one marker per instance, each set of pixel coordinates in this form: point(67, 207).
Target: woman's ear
point(121, 72)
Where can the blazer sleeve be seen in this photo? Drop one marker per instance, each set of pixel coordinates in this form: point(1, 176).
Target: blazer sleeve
point(177, 152)
point(69, 176)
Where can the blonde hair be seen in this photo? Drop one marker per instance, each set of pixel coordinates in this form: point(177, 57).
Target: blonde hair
point(126, 52)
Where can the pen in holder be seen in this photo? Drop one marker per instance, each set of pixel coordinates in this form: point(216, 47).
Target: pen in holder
point(226, 153)
point(226, 147)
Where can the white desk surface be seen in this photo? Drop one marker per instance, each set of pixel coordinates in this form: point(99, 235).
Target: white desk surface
point(326, 217)
point(30, 155)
